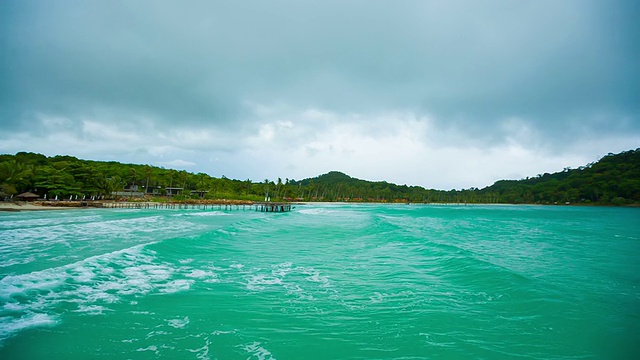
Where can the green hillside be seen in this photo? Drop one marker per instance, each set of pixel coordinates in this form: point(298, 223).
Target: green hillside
point(66, 176)
point(613, 180)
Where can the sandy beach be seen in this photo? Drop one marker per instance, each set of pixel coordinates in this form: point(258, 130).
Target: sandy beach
point(24, 206)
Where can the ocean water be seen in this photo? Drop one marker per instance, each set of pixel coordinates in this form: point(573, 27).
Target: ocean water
point(322, 282)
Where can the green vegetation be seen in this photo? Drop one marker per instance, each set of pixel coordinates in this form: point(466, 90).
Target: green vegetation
point(67, 176)
point(614, 180)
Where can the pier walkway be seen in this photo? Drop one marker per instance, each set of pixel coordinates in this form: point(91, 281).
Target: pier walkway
point(262, 207)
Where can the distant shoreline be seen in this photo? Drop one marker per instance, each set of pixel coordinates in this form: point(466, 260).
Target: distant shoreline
point(62, 205)
point(21, 206)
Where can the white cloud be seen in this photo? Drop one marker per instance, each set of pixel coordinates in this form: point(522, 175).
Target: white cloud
point(286, 142)
point(178, 163)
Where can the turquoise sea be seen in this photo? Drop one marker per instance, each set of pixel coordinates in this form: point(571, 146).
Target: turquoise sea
point(322, 282)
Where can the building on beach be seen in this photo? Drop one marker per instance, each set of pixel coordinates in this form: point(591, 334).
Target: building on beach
point(173, 191)
point(27, 196)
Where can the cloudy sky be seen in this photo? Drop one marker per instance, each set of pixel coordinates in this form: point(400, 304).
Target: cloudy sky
point(441, 94)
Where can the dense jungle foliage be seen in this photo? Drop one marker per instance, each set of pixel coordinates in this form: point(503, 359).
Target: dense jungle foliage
point(614, 180)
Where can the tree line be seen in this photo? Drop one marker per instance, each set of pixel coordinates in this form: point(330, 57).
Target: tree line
point(613, 180)
point(70, 177)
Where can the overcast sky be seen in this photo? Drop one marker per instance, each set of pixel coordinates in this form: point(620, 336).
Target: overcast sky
point(441, 94)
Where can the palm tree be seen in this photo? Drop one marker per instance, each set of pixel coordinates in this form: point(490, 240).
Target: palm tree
point(134, 175)
point(147, 171)
point(278, 186)
point(183, 176)
point(266, 189)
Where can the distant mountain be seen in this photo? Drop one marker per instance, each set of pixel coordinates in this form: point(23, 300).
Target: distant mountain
point(332, 177)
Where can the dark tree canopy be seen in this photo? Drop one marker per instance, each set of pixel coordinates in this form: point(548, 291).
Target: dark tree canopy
point(613, 180)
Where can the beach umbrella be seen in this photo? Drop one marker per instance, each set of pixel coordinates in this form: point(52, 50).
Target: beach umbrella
point(45, 196)
point(56, 197)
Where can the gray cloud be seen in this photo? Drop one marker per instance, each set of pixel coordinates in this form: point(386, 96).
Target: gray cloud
point(550, 74)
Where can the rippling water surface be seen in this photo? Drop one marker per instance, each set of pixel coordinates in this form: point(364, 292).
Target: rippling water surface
point(321, 282)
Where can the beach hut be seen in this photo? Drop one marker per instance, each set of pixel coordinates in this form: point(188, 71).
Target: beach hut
point(27, 196)
point(172, 191)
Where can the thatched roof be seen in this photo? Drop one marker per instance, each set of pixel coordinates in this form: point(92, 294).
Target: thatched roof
point(28, 195)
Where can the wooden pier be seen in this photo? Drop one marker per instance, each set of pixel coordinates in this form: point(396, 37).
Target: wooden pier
point(261, 207)
point(273, 207)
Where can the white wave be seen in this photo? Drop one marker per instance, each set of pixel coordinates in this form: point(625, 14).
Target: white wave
point(143, 312)
point(286, 277)
point(208, 213)
point(90, 285)
point(90, 294)
point(12, 307)
point(179, 323)
point(197, 273)
point(293, 289)
point(203, 352)
point(92, 309)
point(281, 270)
point(150, 348)
point(87, 235)
point(377, 297)
point(259, 282)
point(10, 325)
point(257, 351)
point(203, 275)
point(27, 283)
point(221, 332)
point(16, 261)
point(316, 211)
point(156, 333)
point(48, 221)
point(175, 286)
point(314, 276)
point(83, 274)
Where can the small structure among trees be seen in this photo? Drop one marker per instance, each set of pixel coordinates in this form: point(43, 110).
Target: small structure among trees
point(27, 196)
point(173, 191)
point(198, 193)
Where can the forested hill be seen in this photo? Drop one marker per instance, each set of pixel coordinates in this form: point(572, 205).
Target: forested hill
point(337, 186)
point(66, 176)
point(614, 179)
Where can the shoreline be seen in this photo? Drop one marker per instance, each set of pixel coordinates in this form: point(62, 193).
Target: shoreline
point(64, 205)
point(17, 207)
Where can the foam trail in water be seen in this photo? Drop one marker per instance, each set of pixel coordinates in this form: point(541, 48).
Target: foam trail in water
point(41, 297)
point(10, 325)
point(257, 351)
